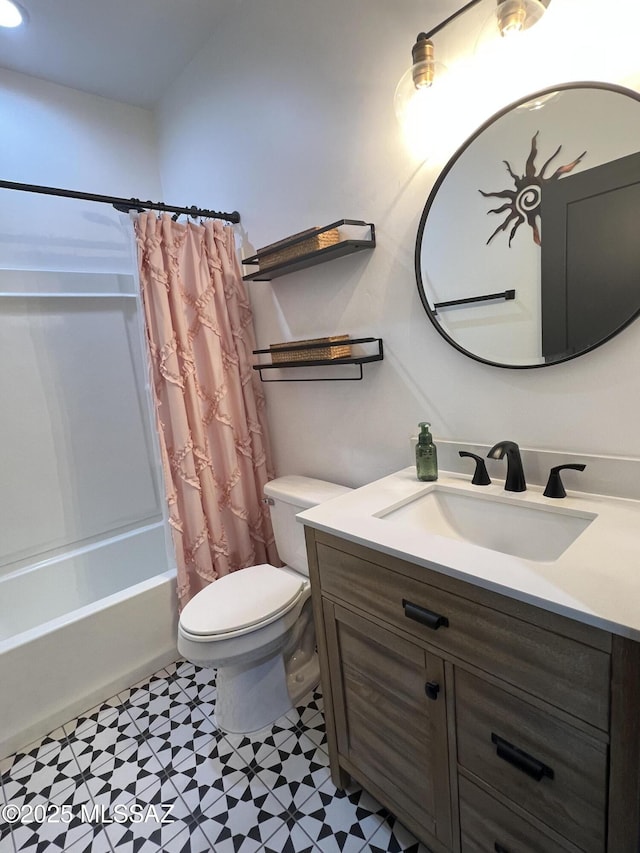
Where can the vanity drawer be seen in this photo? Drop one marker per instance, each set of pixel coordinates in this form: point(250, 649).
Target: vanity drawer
point(558, 669)
point(550, 769)
point(487, 826)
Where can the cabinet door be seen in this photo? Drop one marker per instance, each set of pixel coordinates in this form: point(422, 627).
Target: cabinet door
point(390, 726)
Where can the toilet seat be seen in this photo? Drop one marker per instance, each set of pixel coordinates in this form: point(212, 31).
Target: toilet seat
point(237, 603)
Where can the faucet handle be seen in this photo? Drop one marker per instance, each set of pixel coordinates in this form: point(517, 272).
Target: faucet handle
point(480, 476)
point(555, 488)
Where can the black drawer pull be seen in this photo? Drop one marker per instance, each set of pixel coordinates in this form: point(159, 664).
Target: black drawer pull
point(425, 617)
point(499, 848)
point(522, 760)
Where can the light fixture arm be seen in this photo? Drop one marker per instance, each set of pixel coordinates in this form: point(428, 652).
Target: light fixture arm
point(462, 10)
point(448, 20)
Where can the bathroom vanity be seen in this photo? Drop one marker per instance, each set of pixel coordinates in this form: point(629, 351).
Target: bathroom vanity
point(489, 700)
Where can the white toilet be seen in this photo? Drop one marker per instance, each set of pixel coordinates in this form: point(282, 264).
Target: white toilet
point(255, 626)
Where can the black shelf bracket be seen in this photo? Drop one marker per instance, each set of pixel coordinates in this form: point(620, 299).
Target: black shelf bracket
point(358, 361)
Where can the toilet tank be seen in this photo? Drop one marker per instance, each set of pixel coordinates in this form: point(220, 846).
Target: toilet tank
point(291, 495)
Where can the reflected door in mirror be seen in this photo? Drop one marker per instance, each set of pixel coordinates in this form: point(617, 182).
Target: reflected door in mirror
point(590, 256)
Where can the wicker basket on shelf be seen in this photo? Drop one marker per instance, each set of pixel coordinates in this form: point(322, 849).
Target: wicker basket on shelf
point(315, 354)
point(270, 256)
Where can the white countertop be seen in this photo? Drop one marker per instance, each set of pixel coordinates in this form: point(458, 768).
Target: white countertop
point(595, 581)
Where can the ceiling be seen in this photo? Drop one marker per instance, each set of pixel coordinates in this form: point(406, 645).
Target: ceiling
point(128, 50)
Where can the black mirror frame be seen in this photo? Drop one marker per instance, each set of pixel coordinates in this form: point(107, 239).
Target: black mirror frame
point(611, 87)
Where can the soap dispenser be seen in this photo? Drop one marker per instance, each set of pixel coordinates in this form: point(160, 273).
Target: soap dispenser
point(426, 454)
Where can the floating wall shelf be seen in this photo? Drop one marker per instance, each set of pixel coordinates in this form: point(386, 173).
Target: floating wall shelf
point(357, 360)
point(309, 248)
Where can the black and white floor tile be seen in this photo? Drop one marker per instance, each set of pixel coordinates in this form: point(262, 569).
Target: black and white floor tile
point(149, 771)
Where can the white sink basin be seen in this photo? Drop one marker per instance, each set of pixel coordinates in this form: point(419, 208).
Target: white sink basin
point(510, 525)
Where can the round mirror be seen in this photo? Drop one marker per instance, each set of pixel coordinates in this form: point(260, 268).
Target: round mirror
point(528, 250)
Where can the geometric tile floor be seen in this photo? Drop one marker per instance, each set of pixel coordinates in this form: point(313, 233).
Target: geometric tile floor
point(149, 771)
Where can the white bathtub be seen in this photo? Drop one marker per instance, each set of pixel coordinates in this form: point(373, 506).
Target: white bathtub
point(76, 630)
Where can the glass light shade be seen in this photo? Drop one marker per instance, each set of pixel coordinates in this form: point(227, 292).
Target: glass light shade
point(11, 15)
point(410, 95)
point(515, 16)
point(421, 112)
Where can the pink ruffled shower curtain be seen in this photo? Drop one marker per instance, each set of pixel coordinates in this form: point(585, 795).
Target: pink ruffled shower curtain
point(209, 405)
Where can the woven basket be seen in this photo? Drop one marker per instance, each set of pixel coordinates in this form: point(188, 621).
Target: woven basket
point(315, 354)
point(271, 255)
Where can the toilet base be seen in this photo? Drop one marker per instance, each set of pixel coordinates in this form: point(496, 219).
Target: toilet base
point(251, 697)
point(303, 675)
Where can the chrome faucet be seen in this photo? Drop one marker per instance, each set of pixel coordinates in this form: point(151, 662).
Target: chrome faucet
point(515, 481)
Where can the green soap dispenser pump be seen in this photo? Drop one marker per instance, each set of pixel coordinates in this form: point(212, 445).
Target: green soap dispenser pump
point(426, 454)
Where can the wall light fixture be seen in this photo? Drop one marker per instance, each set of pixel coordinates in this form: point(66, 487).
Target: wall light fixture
point(11, 14)
point(511, 16)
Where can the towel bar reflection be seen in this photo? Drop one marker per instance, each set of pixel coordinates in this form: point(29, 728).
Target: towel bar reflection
point(505, 294)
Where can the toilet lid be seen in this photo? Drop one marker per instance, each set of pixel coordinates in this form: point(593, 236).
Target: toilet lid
point(241, 599)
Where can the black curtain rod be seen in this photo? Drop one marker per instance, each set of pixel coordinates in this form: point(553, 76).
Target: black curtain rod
point(124, 205)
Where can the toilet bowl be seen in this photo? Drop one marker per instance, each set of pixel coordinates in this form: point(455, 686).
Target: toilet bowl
point(255, 626)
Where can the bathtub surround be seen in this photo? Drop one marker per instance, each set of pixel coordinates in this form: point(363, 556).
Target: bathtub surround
point(209, 405)
point(86, 580)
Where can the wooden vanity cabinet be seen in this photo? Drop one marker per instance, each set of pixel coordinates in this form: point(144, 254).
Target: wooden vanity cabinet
point(484, 724)
point(390, 717)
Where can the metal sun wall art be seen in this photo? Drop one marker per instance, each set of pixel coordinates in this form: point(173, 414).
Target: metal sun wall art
point(523, 203)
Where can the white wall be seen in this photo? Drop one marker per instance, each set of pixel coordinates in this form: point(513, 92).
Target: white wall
point(287, 115)
point(63, 137)
point(60, 137)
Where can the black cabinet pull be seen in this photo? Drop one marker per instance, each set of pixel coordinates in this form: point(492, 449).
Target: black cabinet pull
point(425, 617)
point(432, 688)
point(499, 848)
point(522, 760)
